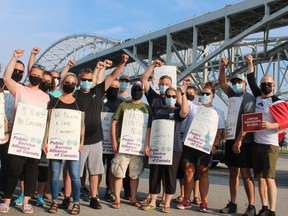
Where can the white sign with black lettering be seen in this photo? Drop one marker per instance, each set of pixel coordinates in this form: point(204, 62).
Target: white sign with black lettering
point(106, 119)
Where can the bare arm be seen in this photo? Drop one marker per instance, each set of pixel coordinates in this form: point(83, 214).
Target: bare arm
point(9, 82)
point(100, 77)
point(217, 140)
point(184, 103)
point(32, 58)
point(147, 142)
point(116, 72)
point(70, 64)
point(98, 73)
point(147, 74)
point(114, 136)
point(222, 78)
point(45, 140)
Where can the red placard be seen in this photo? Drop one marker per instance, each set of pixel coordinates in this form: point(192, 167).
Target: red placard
point(250, 121)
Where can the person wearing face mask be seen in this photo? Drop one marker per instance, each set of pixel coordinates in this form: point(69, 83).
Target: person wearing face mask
point(124, 94)
point(168, 172)
point(30, 94)
point(266, 141)
point(238, 153)
point(121, 161)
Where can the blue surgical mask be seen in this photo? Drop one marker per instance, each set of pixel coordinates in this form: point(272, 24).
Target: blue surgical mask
point(237, 88)
point(163, 89)
point(205, 99)
point(123, 86)
point(170, 101)
point(85, 85)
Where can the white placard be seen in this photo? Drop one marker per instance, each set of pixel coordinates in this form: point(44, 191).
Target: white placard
point(106, 119)
point(28, 131)
point(168, 70)
point(9, 108)
point(203, 129)
point(133, 133)
point(232, 117)
point(2, 111)
point(64, 134)
point(161, 142)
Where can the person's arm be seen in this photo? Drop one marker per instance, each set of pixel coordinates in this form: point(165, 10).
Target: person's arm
point(145, 76)
point(99, 68)
point(222, 78)
point(217, 140)
point(251, 77)
point(238, 143)
point(66, 69)
point(114, 136)
point(184, 103)
point(45, 140)
point(82, 133)
point(100, 77)
point(9, 82)
point(32, 58)
point(147, 141)
point(116, 72)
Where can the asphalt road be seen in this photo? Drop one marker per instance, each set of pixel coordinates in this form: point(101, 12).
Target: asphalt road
point(218, 197)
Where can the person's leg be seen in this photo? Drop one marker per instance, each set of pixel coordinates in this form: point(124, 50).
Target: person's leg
point(248, 185)
point(189, 169)
point(117, 188)
point(203, 181)
point(272, 193)
point(233, 183)
point(5, 161)
point(54, 181)
point(133, 189)
point(73, 167)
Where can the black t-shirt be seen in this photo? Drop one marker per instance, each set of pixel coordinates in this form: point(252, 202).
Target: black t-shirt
point(155, 100)
point(92, 103)
point(58, 104)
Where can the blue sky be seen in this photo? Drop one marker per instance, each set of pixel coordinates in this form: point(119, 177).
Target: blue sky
point(31, 23)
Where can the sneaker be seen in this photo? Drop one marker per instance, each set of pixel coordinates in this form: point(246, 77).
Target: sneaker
point(84, 192)
point(264, 212)
point(27, 209)
point(40, 200)
point(250, 211)
point(19, 200)
point(229, 208)
point(94, 203)
point(186, 203)
point(203, 206)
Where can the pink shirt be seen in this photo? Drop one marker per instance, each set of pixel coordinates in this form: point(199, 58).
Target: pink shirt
point(30, 96)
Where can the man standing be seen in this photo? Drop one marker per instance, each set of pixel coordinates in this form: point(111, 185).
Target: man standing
point(238, 143)
point(91, 156)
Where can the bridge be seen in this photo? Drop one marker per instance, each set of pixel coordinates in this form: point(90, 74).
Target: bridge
point(195, 46)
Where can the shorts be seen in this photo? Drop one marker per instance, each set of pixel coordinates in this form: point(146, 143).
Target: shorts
point(242, 160)
point(191, 155)
point(91, 157)
point(264, 160)
point(121, 162)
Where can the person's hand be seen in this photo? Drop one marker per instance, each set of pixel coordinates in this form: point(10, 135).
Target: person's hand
point(224, 62)
point(157, 63)
point(100, 65)
point(35, 50)
point(45, 148)
point(268, 125)
point(182, 89)
point(71, 63)
point(249, 59)
point(147, 150)
point(236, 147)
point(80, 148)
point(213, 150)
point(18, 53)
point(115, 147)
point(108, 63)
point(187, 81)
point(125, 58)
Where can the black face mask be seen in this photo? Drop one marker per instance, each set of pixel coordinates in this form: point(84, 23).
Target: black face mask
point(17, 77)
point(68, 88)
point(112, 93)
point(266, 89)
point(136, 94)
point(190, 97)
point(45, 86)
point(35, 80)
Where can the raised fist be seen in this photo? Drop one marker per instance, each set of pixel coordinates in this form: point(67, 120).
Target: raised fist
point(18, 53)
point(187, 81)
point(100, 65)
point(35, 50)
point(71, 63)
point(125, 58)
point(224, 62)
point(108, 63)
point(249, 59)
point(157, 63)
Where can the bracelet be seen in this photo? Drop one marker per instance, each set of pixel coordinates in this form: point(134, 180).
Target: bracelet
point(182, 93)
point(216, 146)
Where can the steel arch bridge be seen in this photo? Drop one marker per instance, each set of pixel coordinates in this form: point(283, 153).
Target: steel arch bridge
point(195, 46)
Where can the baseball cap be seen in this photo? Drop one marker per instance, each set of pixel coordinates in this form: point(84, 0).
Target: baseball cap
point(138, 84)
point(124, 77)
point(238, 76)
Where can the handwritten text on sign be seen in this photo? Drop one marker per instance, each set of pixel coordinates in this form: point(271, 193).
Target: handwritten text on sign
point(106, 118)
point(28, 131)
point(250, 121)
point(232, 118)
point(64, 134)
point(203, 130)
point(133, 133)
point(161, 142)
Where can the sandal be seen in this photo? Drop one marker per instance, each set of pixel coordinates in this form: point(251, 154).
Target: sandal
point(148, 207)
point(137, 204)
point(75, 209)
point(65, 203)
point(116, 205)
point(162, 204)
point(146, 201)
point(166, 210)
point(4, 208)
point(179, 199)
point(53, 208)
point(27, 209)
point(196, 201)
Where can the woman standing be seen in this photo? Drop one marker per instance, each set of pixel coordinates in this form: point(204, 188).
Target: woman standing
point(66, 101)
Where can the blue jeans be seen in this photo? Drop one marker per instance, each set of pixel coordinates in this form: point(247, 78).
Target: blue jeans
point(74, 173)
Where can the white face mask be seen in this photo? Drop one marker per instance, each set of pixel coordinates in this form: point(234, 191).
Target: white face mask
point(56, 81)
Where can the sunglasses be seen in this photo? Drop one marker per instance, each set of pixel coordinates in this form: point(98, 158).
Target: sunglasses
point(68, 83)
point(267, 84)
point(205, 93)
point(83, 79)
point(56, 77)
point(169, 96)
point(18, 71)
point(39, 66)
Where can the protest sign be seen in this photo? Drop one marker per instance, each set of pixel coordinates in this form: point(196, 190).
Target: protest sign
point(232, 116)
point(106, 119)
point(250, 121)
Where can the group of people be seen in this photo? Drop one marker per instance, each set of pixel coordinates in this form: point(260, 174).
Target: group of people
point(90, 94)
